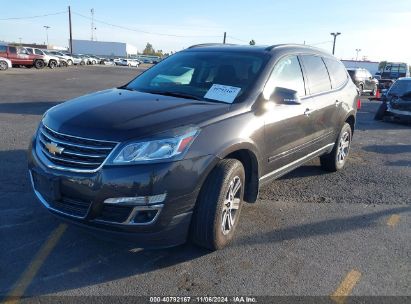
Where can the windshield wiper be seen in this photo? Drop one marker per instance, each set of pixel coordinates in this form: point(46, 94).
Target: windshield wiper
point(175, 94)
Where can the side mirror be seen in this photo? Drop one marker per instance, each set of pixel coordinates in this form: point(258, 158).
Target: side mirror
point(285, 96)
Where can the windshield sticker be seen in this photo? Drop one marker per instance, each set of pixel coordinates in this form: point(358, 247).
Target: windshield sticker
point(222, 93)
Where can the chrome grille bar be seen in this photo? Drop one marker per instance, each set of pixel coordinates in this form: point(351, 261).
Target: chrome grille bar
point(73, 153)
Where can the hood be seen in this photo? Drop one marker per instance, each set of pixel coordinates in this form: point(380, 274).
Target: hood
point(119, 115)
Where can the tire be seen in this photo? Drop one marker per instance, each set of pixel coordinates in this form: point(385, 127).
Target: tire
point(220, 201)
point(374, 91)
point(52, 64)
point(3, 65)
point(379, 115)
point(82, 62)
point(361, 89)
point(337, 158)
point(39, 64)
point(64, 64)
point(69, 62)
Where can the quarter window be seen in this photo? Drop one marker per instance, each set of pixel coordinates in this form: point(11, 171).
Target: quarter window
point(317, 74)
point(286, 74)
point(337, 72)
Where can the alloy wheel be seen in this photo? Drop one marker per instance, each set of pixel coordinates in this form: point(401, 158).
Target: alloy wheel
point(343, 147)
point(231, 204)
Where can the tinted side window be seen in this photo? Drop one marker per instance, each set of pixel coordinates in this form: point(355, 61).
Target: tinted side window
point(286, 74)
point(337, 72)
point(13, 50)
point(3, 49)
point(317, 74)
point(30, 51)
point(38, 52)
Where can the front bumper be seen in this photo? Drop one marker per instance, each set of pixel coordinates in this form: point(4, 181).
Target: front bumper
point(80, 198)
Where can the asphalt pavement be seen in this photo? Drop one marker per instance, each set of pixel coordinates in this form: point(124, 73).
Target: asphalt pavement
point(311, 233)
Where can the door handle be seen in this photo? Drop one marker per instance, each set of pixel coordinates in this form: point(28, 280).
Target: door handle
point(308, 112)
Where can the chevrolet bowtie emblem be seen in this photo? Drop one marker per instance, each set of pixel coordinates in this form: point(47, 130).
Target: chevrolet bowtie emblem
point(53, 148)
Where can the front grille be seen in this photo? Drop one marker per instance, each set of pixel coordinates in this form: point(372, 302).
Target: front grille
point(71, 206)
point(74, 152)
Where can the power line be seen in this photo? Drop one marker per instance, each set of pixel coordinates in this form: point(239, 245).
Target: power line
point(33, 17)
point(142, 31)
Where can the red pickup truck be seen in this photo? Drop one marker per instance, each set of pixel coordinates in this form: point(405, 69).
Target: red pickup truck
point(19, 56)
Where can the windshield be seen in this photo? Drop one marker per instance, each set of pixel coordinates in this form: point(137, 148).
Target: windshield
point(215, 76)
point(400, 87)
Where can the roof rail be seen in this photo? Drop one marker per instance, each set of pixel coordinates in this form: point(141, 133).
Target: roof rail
point(269, 48)
point(208, 44)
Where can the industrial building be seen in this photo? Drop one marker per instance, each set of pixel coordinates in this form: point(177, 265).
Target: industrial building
point(371, 66)
point(104, 48)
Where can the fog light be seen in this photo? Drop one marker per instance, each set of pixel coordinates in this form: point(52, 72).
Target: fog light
point(145, 216)
point(137, 200)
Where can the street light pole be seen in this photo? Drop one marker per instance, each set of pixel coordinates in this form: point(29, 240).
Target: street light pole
point(335, 38)
point(47, 33)
point(357, 50)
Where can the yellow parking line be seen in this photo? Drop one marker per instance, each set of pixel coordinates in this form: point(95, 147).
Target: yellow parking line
point(344, 290)
point(26, 278)
point(393, 220)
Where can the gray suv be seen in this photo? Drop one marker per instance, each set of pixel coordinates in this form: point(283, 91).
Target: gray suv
point(364, 81)
point(173, 154)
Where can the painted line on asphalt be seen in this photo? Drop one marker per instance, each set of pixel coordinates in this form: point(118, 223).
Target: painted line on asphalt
point(340, 295)
point(28, 275)
point(393, 220)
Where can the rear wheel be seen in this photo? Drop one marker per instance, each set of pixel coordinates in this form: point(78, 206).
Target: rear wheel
point(3, 65)
point(218, 206)
point(64, 64)
point(39, 64)
point(374, 91)
point(337, 158)
point(69, 62)
point(379, 115)
point(52, 64)
point(361, 89)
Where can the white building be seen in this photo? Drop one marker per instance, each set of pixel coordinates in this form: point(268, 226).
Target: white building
point(371, 66)
point(103, 48)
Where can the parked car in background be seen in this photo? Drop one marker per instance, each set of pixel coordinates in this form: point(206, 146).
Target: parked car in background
point(107, 61)
point(79, 60)
point(161, 162)
point(364, 81)
point(396, 102)
point(391, 72)
point(129, 62)
point(5, 64)
point(68, 58)
point(20, 57)
point(50, 60)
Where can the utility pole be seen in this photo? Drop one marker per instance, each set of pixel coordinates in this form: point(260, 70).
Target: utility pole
point(225, 36)
point(335, 38)
point(357, 50)
point(71, 34)
point(20, 40)
point(47, 33)
point(92, 24)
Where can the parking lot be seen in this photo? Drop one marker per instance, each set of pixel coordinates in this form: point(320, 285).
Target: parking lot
point(310, 233)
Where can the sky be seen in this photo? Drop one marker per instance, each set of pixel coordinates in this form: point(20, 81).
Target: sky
point(379, 28)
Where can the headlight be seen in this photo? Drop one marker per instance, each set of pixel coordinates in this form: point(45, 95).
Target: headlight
point(161, 149)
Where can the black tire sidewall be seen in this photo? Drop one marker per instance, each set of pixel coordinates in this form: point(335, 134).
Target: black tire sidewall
point(345, 128)
point(3, 63)
point(221, 239)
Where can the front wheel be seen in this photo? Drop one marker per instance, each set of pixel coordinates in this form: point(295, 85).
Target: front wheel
point(52, 64)
point(3, 65)
point(218, 206)
point(337, 158)
point(39, 64)
point(69, 62)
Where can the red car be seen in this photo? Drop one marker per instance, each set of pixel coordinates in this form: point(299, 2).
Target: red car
point(19, 56)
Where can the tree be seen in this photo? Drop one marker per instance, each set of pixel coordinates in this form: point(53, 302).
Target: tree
point(382, 65)
point(149, 50)
point(252, 42)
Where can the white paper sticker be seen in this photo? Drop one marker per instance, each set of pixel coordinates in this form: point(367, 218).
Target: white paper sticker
point(222, 93)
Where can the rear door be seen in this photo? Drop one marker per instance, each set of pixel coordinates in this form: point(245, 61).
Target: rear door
point(322, 107)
